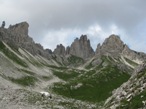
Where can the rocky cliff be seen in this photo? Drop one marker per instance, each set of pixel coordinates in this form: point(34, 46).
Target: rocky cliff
point(115, 47)
point(60, 50)
point(17, 36)
point(82, 48)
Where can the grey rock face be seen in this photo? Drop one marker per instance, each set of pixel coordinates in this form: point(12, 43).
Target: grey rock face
point(21, 28)
point(98, 49)
point(17, 35)
point(49, 51)
point(112, 45)
point(60, 50)
point(67, 50)
point(82, 48)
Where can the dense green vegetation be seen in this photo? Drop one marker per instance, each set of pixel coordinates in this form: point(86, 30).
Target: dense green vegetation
point(24, 81)
point(135, 102)
point(104, 59)
point(27, 71)
point(96, 85)
point(75, 60)
point(11, 55)
point(65, 74)
point(56, 67)
point(2, 46)
point(89, 65)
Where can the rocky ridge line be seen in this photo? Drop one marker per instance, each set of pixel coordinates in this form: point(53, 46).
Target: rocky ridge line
point(17, 36)
point(80, 48)
point(115, 47)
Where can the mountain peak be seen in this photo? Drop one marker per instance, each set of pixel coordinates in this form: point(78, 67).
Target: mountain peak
point(83, 38)
point(112, 45)
point(82, 48)
point(114, 36)
point(20, 28)
point(60, 50)
point(113, 40)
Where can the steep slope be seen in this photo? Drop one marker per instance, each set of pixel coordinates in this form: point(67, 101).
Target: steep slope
point(22, 74)
point(131, 94)
point(122, 55)
point(22, 78)
point(25, 72)
point(17, 36)
point(114, 47)
point(32, 68)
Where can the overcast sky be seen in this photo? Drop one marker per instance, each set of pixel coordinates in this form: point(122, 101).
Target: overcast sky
point(52, 22)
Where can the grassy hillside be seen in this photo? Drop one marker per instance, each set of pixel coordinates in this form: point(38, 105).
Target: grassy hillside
point(11, 55)
point(93, 85)
point(135, 103)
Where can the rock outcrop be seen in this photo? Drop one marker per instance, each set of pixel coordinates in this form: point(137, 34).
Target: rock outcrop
point(21, 28)
point(82, 48)
point(67, 50)
point(115, 47)
point(60, 50)
point(112, 45)
point(17, 36)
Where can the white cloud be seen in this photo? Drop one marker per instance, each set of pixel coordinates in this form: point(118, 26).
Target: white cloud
point(95, 33)
point(62, 36)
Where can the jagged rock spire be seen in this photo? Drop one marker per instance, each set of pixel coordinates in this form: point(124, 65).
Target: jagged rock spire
point(21, 28)
point(82, 48)
point(60, 50)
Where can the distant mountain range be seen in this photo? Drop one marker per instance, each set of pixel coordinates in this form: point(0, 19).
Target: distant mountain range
point(112, 77)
